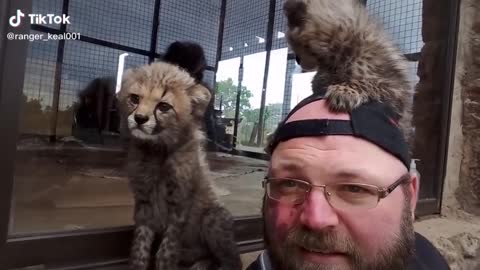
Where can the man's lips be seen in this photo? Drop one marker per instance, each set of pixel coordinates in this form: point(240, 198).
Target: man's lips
point(324, 256)
point(323, 251)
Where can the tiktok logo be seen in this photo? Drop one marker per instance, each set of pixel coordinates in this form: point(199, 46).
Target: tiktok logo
point(16, 19)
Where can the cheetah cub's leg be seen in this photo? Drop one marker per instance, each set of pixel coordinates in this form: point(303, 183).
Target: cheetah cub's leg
point(217, 230)
point(168, 253)
point(142, 244)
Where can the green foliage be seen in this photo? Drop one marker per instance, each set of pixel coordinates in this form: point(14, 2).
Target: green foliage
point(228, 92)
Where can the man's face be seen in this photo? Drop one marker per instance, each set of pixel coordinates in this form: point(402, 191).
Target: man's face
point(314, 235)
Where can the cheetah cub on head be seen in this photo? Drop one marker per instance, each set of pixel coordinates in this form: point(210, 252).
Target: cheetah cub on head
point(354, 60)
point(174, 202)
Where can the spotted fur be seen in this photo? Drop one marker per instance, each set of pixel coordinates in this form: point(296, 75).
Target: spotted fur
point(174, 201)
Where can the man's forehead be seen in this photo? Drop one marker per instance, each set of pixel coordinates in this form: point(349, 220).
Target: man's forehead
point(316, 110)
point(342, 157)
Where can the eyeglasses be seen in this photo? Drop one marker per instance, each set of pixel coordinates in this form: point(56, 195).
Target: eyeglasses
point(339, 195)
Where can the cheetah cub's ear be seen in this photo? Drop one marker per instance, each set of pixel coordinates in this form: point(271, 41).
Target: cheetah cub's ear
point(200, 97)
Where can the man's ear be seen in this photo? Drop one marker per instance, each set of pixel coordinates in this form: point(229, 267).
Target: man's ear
point(200, 99)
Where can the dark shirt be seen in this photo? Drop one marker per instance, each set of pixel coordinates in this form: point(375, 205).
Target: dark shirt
point(426, 257)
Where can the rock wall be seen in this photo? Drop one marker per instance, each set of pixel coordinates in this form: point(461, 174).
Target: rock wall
point(468, 193)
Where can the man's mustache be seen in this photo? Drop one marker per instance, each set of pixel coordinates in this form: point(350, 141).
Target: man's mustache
point(323, 242)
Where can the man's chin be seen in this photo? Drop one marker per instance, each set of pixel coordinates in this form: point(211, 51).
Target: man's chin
point(301, 259)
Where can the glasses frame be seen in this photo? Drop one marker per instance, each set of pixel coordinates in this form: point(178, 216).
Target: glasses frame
point(382, 192)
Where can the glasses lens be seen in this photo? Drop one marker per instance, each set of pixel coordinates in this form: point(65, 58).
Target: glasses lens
point(287, 190)
point(347, 196)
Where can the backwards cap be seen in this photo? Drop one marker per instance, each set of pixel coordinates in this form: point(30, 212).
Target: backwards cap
point(372, 121)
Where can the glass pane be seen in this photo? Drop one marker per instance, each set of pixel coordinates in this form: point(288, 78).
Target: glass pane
point(250, 102)
point(301, 87)
point(69, 171)
point(69, 155)
point(225, 101)
point(274, 104)
point(78, 181)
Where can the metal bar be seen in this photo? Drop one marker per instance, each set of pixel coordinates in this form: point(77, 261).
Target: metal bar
point(96, 245)
point(451, 42)
point(268, 48)
point(4, 10)
point(237, 102)
point(58, 77)
point(221, 28)
point(12, 69)
point(413, 57)
point(154, 36)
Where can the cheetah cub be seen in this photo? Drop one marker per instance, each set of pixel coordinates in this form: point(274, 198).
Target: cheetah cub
point(354, 60)
point(174, 202)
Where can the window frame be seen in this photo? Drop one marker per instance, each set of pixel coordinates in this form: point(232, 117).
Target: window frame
point(111, 246)
point(99, 247)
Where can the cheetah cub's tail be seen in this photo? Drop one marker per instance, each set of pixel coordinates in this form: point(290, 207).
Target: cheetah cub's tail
point(354, 59)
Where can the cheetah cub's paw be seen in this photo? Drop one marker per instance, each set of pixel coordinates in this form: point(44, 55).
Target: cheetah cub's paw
point(343, 98)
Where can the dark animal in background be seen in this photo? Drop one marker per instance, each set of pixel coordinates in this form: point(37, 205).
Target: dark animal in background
point(191, 57)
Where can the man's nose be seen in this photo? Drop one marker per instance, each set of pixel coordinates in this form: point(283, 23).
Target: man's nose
point(140, 118)
point(317, 213)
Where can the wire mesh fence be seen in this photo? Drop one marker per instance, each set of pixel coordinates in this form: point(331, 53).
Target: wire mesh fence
point(402, 19)
point(110, 28)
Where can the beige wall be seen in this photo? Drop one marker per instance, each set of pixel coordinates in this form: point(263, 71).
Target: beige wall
point(462, 183)
point(455, 144)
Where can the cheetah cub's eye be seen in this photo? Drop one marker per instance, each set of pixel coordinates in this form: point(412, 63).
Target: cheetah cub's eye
point(164, 107)
point(134, 99)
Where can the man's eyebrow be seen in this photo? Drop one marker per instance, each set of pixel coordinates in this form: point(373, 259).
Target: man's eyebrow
point(289, 165)
point(356, 176)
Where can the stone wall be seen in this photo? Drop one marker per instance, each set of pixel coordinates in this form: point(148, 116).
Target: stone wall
point(457, 232)
point(468, 193)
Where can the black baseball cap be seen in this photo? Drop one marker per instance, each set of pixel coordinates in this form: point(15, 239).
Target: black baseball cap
point(373, 121)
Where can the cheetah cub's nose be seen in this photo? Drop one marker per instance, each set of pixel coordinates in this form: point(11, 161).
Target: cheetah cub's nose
point(140, 119)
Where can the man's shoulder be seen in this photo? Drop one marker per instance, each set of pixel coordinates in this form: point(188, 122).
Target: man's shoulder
point(261, 263)
point(427, 256)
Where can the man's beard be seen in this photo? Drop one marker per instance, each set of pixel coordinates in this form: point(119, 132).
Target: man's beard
point(394, 255)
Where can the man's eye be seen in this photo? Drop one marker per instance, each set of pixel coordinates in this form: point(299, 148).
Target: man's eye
point(134, 99)
point(355, 189)
point(288, 184)
point(164, 107)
